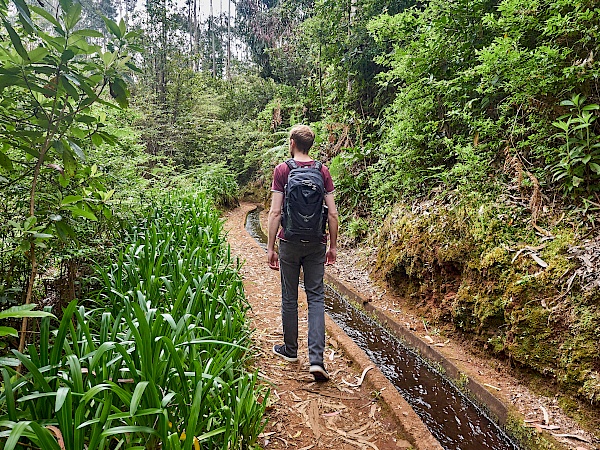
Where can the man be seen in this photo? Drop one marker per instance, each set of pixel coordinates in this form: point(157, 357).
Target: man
point(311, 256)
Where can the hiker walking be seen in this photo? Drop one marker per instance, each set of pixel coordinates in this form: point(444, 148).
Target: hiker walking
point(302, 203)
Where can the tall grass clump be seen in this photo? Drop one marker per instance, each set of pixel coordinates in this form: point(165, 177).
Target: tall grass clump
point(159, 361)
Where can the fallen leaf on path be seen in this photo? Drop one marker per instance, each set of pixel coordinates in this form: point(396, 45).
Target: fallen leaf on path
point(539, 260)
point(546, 415)
point(313, 417)
point(264, 435)
point(572, 436)
point(429, 339)
point(360, 430)
point(362, 378)
point(295, 397)
point(492, 386)
point(543, 427)
point(372, 412)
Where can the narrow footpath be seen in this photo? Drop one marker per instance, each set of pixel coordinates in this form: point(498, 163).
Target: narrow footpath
point(303, 414)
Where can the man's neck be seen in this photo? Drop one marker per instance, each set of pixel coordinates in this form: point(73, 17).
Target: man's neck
point(302, 157)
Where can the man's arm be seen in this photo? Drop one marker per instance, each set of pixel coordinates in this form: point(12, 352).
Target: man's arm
point(332, 221)
point(273, 226)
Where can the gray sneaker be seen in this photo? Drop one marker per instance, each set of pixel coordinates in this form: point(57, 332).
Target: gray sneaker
point(280, 351)
point(318, 372)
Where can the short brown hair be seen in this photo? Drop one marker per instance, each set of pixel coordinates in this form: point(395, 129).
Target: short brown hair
point(303, 137)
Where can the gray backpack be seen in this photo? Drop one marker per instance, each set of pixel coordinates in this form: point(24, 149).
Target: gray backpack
point(304, 213)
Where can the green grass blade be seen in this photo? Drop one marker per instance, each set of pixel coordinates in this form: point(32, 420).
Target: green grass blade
point(137, 397)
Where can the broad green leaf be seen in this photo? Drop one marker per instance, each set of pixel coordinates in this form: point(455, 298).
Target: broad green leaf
point(45, 438)
point(10, 362)
point(210, 434)
point(29, 223)
point(69, 163)
point(108, 58)
point(84, 118)
point(77, 149)
point(46, 15)
point(97, 139)
point(73, 16)
point(577, 181)
point(591, 107)
point(8, 331)
point(61, 396)
point(37, 54)
point(24, 13)
point(134, 67)
point(137, 397)
point(65, 5)
point(112, 27)
point(595, 168)
point(70, 199)
point(63, 230)
point(16, 41)
point(42, 236)
point(15, 435)
point(88, 33)
point(78, 212)
point(17, 312)
point(128, 429)
point(9, 396)
point(119, 91)
point(59, 147)
point(122, 27)
point(67, 55)
point(63, 181)
point(6, 162)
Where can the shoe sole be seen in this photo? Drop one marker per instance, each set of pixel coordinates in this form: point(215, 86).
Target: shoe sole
point(319, 373)
point(287, 358)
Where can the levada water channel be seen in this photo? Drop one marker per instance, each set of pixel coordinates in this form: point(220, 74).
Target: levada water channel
point(453, 419)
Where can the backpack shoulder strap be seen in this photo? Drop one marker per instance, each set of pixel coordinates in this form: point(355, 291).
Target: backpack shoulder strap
point(292, 164)
point(318, 165)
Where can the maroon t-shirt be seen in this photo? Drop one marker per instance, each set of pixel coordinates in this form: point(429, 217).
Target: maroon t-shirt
point(280, 177)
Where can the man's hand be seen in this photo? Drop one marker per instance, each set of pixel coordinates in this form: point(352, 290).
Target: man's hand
point(273, 259)
point(330, 256)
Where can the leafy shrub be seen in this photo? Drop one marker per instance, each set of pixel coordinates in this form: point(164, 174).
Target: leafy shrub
point(579, 167)
point(159, 362)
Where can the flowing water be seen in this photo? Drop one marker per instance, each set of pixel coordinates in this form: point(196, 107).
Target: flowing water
point(455, 421)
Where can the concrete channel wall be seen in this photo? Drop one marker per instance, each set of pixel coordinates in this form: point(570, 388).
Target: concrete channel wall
point(497, 410)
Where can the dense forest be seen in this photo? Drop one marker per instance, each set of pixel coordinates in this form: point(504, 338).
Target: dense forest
point(464, 144)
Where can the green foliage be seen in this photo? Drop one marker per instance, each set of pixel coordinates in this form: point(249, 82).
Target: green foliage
point(215, 181)
point(17, 312)
point(203, 125)
point(49, 84)
point(159, 362)
point(579, 165)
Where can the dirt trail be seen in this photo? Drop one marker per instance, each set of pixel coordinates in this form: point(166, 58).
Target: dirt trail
point(304, 414)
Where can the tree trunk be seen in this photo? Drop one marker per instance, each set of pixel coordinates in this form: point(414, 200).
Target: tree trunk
point(228, 71)
point(212, 33)
point(32, 258)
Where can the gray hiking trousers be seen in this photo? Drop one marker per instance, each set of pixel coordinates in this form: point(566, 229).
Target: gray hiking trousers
point(311, 257)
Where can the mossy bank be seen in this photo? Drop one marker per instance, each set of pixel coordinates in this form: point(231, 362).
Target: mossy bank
point(517, 290)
